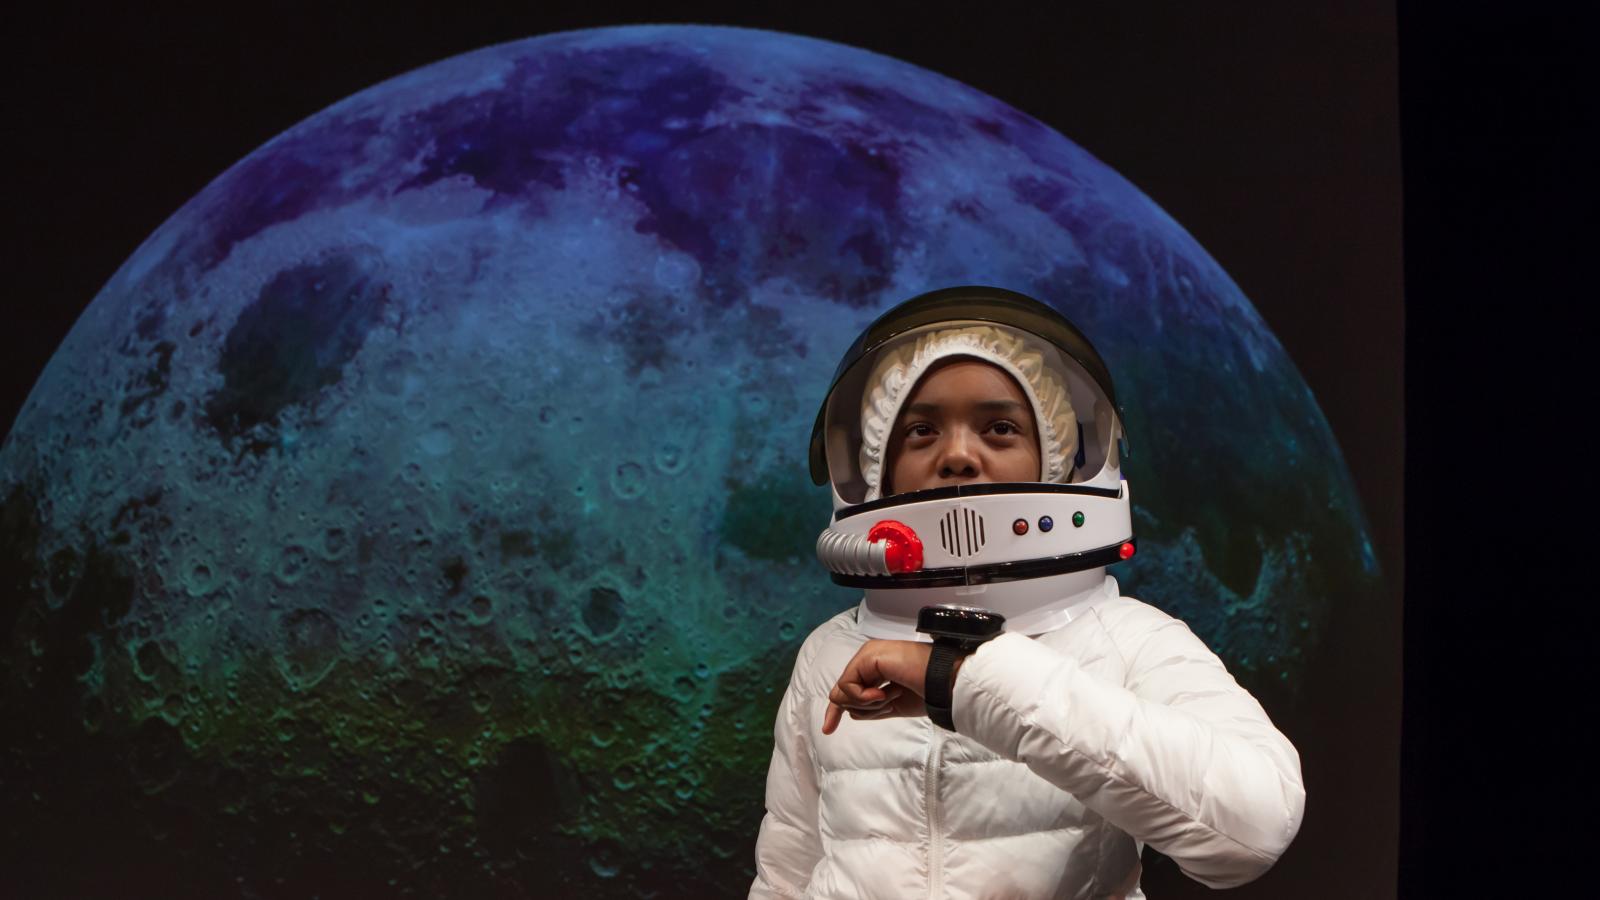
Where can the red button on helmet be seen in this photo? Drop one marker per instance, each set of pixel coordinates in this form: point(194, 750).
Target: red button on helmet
point(904, 550)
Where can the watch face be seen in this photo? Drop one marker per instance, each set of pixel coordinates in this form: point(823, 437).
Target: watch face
point(962, 622)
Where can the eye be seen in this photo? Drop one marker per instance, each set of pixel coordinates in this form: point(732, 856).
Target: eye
point(1005, 428)
point(920, 429)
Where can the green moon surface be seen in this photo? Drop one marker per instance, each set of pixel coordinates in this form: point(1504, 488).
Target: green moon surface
point(423, 509)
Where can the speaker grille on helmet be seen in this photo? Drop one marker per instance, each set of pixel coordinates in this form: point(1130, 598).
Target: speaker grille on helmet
point(961, 533)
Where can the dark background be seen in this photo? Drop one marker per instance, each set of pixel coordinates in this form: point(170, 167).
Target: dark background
point(1271, 131)
point(1497, 118)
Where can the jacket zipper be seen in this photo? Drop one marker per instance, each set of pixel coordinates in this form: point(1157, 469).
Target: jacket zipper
point(935, 838)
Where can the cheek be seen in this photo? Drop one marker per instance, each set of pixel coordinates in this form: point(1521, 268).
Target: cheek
point(1018, 466)
point(906, 470)
point(899, 468)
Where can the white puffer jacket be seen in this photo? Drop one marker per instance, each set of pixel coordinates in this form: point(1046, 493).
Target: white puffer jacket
point(1072, 751)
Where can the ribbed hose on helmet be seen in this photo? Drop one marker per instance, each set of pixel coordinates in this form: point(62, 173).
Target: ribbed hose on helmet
point(852, 554)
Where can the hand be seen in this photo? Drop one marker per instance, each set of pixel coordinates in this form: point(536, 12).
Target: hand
point(883, 680)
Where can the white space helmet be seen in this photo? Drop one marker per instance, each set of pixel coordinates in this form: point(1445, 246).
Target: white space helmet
point(1033, 551)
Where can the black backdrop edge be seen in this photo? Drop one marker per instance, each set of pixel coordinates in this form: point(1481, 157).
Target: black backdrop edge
point(1497, 772)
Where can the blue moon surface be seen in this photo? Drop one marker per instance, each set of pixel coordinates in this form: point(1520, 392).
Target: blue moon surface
point(423, 508)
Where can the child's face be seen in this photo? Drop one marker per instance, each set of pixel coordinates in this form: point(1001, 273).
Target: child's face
point(967, 422)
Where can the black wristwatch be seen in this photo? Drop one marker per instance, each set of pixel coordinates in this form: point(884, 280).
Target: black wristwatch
point(956, 631)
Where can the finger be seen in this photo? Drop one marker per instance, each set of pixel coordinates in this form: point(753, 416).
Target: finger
point(865, 714)
point(873, 698)
point(910, 705)
point(830, 719)
point(846, 694)
point(845, 703)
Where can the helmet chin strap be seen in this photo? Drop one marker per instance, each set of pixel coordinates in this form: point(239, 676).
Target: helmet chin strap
point(1032, 607)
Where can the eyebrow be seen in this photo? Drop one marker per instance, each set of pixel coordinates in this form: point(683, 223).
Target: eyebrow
point(924, 408)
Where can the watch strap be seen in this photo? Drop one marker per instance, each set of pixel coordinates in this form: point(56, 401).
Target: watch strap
point(936, 681)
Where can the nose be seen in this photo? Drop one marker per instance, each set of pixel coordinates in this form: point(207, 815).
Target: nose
point(959, 457)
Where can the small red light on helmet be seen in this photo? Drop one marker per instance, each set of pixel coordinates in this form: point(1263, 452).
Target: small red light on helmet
point(1126, 550)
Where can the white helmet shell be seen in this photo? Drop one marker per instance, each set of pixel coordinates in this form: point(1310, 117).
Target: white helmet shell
point(1033, 552)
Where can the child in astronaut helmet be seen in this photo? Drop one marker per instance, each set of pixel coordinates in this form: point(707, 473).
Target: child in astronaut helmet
point(1090, 725)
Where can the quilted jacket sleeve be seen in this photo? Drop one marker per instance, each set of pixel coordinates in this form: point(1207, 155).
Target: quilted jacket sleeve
point(1178, 755)
point(789, 845)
